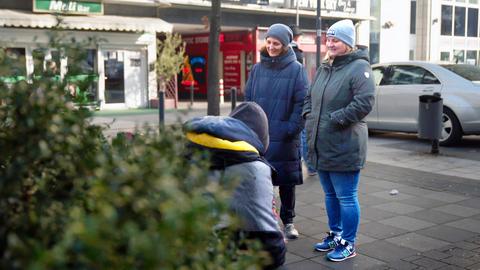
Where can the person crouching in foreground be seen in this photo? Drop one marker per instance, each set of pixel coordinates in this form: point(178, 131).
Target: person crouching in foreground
point(237, 144)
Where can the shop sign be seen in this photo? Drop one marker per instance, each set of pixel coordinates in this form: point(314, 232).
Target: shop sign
point(345, 6)
point(196, 40)
point(68, 7)
point(231, 70)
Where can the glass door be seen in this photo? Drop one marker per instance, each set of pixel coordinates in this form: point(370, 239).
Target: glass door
point(114, 76)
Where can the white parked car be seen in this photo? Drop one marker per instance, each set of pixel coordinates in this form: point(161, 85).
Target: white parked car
point(399, 85)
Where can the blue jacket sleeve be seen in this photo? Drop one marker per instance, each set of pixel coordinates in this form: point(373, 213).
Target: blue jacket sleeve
point(249, 85)
point(296, 121)
point(307, 103)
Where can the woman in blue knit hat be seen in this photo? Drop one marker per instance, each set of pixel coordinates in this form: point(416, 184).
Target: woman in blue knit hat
point(278, 84)
point(341, 95)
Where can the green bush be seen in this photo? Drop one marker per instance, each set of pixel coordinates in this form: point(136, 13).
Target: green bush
point(71, 199)
point(48, 151)
point(147, 208)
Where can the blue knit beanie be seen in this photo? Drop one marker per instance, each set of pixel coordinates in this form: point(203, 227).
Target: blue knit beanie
point(280, 32)
point(344, 31)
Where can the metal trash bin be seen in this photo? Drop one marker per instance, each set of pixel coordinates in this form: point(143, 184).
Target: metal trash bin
point(430, 110)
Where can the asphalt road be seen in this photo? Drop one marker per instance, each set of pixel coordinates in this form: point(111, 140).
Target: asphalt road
point(468, 148)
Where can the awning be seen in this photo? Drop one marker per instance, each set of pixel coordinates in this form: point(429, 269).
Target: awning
point(147, 3)
point(16, 18)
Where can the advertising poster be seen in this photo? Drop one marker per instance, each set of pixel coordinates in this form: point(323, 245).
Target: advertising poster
point(231, 70)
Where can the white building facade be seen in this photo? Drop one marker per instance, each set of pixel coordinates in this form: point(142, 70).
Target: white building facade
point(430, 30)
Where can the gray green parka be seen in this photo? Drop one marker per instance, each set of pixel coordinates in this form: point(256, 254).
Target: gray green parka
point(340, 97)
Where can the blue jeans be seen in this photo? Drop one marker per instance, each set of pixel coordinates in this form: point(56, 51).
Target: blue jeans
point(341, 202)
point(304, 150)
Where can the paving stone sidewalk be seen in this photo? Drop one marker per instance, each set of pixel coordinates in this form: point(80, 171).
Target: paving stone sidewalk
point(432, 223)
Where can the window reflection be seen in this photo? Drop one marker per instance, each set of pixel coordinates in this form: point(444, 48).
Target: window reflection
point(459, 22)
point(472, 27)
point(446, 27)
point(403, 75)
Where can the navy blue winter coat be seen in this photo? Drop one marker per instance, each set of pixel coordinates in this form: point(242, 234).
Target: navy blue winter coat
point(278, 85)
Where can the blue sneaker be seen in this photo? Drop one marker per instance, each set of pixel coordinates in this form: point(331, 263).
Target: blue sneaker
point(329, 242)
point(344, 250)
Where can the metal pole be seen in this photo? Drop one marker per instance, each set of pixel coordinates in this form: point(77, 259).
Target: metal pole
point(435, 146)
point(233, 92)
point(298, 16)
point(161, 110)
point(436, 142)
point(192, 89)
point(319, 34)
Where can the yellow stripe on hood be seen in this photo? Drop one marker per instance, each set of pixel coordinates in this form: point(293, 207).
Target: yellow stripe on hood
point(210, 141)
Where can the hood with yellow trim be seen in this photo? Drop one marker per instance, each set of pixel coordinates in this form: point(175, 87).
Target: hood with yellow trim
point(223, 132)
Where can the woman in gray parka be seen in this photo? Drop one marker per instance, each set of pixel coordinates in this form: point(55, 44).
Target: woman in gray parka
point(341, 95)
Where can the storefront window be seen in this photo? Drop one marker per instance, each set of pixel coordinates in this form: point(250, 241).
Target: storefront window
point(459, 21)
point(445, 56)
point(81, 74)
point(471, 57)
point(12, 64)
point(446, 27)
point(459, 56)
point(46, 62)
point(472, 27)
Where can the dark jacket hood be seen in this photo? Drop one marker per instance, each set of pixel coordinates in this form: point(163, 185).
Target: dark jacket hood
point(230, 140)
point(251, 114)
point(278, 62)
point(360, 53)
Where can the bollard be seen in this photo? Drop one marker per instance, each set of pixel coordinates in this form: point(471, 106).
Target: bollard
point(436, 141)
point(233, 92)
point(161, 110)
point(435, 146)
point(192, 89)
point(220, 87)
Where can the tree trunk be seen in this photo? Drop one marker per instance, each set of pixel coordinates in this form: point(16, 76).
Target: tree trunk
point(213, 97)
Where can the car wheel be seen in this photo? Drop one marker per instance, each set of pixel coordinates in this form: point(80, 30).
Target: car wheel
point(451, 130)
